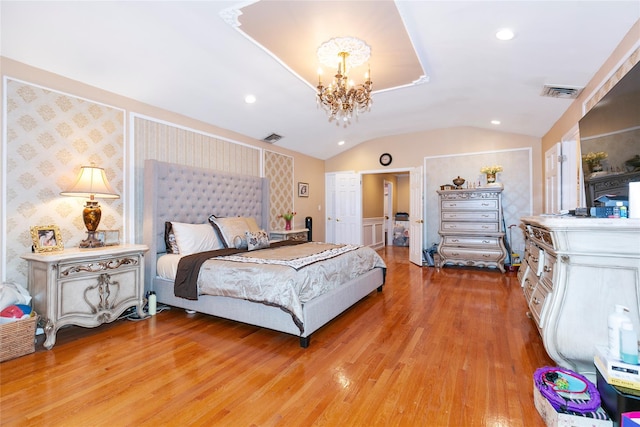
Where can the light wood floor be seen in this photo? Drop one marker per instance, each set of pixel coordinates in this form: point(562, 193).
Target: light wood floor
point(438, 347)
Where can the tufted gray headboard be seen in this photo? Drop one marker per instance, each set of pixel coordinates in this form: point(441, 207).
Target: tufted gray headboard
point(174, 192)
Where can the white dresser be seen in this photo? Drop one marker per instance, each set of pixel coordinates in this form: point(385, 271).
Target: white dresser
point(471, 231)
point(85, 287)
point(573, 273)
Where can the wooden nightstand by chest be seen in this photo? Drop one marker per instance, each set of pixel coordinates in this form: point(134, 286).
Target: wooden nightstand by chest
point(85, 287)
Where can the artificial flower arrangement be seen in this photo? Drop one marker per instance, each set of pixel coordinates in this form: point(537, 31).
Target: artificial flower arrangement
point(491, 169)
point(594, 158)
point(288, 216)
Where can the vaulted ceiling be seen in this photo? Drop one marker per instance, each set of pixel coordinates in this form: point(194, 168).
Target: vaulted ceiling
point(434, 64)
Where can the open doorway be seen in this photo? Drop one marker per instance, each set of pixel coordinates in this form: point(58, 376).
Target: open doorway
point(384, 196)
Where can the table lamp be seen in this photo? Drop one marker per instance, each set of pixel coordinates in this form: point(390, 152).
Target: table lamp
point(91, 183)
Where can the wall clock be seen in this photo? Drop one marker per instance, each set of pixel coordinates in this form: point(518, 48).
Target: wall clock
point(385, 159)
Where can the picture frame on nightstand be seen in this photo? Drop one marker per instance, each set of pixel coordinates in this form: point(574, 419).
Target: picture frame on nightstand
point(46, 238)
point(108, 237)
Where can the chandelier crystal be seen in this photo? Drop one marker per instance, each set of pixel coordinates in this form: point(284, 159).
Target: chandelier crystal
point(342, 98)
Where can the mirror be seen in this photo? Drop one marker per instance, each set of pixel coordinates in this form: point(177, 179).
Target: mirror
point(610, 140)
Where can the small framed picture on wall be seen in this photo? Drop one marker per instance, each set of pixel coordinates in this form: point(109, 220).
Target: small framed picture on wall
point(46, 238)
point(303, 189)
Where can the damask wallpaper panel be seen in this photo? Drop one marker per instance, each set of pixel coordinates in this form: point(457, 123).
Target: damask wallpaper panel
point(517, 197)
point(49, 136)
point(279, 169)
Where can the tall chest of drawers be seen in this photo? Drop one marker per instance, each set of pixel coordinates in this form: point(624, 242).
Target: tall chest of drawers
point(471, 231)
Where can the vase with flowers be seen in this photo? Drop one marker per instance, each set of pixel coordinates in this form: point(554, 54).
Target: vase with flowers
point(288, 217)
point(594, 159)
point(490, 172)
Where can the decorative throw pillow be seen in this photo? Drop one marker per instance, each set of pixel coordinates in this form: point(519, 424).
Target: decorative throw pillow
point(228, 228)
point(257, 240)
point(170, 239)
point(240, 242)
point(193, 238)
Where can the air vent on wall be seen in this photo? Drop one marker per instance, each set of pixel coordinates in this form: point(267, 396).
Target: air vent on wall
point(565, 92)
point(273, 138)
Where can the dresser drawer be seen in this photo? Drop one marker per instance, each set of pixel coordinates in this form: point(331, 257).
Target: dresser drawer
point(485, 242)
point(548, 267)
point(536, 304)
point(484, 204)
point(529, 285)
point(471, 254)
point(470, 216)
point(522, 271)
point(469, 226)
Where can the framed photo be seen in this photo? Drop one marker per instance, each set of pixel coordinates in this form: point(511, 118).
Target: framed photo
point(303, 189)
point(46, 238)
point(108, 237)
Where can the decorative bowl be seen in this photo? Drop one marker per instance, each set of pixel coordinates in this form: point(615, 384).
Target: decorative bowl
point(458, 182)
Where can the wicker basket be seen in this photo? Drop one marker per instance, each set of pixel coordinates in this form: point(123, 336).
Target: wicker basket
point(17, 338)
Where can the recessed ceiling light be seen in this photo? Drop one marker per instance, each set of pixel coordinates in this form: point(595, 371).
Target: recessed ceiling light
point(504, 34)
point(340, 142)
point(250, 99)
point(495, 122)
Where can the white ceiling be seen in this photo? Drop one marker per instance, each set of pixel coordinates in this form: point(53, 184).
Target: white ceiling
point(183, 57)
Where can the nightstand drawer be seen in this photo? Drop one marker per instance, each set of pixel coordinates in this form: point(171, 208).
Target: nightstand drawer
point(97, 265)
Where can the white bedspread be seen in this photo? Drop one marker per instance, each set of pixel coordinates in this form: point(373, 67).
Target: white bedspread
point(281, 285)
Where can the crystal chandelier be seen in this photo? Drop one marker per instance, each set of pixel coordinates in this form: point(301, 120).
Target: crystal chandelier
point(342, 98)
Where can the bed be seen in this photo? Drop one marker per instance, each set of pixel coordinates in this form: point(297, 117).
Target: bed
point(190, 195)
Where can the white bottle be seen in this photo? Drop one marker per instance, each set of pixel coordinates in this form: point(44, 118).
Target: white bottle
point(628, 344)
point(152, 303)
point(614, 323)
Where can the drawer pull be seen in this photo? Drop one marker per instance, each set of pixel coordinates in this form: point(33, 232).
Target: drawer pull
point(455, 253)
point(486, 204)
point(536, 301)
point(486, 241)
point(455, 240)
point(547, 269)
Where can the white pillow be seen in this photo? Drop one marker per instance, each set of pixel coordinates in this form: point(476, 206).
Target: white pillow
point(194, 238)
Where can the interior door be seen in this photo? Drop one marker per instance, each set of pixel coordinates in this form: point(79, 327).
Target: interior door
point(344, 194)
point(330, 207)
point(416, 215)
point(552, 176)
point(388, 212)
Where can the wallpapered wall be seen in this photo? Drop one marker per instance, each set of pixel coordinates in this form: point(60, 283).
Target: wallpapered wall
point(279, 169)
point(50, 135)
point(516, 179)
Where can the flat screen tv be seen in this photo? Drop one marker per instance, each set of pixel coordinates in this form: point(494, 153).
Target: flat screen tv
point(610, 140)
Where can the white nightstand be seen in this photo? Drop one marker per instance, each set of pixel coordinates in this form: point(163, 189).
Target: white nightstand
point(299, 235)
point(85, 287)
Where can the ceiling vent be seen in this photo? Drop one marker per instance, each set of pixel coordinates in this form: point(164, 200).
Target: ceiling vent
point(565, 92)
point(273, 138)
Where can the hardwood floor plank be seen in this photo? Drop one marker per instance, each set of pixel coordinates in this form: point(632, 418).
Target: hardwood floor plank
point(438, 347)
